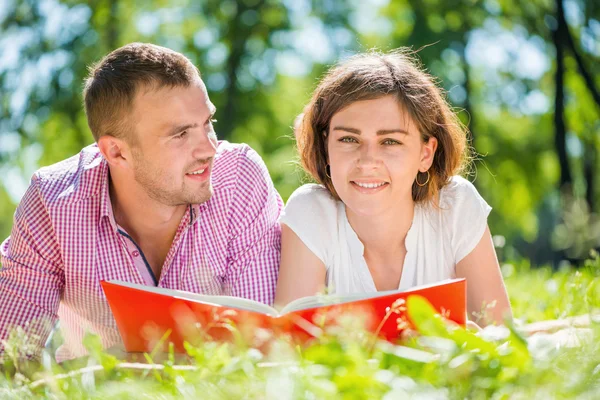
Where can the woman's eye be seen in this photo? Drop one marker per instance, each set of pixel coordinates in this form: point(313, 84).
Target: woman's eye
point(348, 139)
point(390, 141)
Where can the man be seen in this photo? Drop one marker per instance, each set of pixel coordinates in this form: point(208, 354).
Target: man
point(156, 201)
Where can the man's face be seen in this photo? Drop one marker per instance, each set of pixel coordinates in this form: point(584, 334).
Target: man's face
point(174, 143)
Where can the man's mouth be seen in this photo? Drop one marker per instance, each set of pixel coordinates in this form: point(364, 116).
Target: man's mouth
point(197, 172)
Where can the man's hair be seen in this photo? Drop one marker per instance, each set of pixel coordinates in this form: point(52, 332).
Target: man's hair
point(112, 84)
point(374, 75)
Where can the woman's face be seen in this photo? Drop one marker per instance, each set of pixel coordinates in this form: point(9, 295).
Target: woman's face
point(375, 152)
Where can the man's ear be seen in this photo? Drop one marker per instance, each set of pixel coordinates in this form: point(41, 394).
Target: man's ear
point(115, 151)
point(427, 154)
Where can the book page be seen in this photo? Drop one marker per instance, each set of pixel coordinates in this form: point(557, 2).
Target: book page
point(304, 303)
point(226, 301)
point(325, 300)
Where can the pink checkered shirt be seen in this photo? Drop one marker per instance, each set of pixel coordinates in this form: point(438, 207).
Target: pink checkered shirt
point(64, 241)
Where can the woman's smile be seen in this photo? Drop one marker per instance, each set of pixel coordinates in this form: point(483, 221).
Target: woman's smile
point(369, 186)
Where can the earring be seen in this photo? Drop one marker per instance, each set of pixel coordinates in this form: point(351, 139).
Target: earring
point(424, 183)
point(327, 173)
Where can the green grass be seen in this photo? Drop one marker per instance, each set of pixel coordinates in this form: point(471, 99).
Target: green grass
point(346, 363)
point(541, 294)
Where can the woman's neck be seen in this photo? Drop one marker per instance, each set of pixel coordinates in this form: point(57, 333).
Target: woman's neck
point(386, 232)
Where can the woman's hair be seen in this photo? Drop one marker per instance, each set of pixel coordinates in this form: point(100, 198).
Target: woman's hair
point(373, 75)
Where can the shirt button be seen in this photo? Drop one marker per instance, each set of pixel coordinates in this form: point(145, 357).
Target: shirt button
point(135, 253)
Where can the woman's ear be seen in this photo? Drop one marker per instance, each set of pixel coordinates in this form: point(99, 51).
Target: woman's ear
point(428, 153)
point(115, 151)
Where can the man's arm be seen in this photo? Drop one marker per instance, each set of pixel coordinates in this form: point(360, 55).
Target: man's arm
point(255, 235)
point(31, 277)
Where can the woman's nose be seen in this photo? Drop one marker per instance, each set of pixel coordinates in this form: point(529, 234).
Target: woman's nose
point(367, 155)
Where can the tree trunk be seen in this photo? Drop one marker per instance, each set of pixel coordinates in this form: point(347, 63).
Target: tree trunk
point(589, 155)
point(589, 173)
point(238, 34)
point(559, 101)
point(112, 39)
point(468, 105)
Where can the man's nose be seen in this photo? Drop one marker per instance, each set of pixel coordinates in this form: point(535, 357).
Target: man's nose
point(205, 144)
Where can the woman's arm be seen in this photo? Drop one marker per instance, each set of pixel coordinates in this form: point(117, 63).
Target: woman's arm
point(301, 272)
point(485, 285)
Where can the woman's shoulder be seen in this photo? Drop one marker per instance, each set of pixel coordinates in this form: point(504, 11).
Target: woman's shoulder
point(458, 191)
point(465, 215)
point(311, 212)
point(311, 195)
point(310, 204)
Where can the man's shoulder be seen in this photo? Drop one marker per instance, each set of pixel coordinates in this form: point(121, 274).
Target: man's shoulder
point(72, 179)
point(235, 160)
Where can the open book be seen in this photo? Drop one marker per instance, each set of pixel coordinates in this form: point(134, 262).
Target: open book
point(148, 316)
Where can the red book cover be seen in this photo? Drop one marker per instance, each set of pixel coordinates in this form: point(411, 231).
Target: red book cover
point(147, 316)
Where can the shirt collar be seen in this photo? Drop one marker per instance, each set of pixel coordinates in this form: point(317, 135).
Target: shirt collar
point(106, 210)
point(195, 210)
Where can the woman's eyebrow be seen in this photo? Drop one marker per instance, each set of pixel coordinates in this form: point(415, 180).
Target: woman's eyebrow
point(390, 131)
point(379, 132)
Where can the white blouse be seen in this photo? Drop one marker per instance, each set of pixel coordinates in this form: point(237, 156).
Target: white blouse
point(436, 241)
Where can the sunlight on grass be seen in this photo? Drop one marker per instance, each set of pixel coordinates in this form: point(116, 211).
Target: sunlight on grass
point(444, 362)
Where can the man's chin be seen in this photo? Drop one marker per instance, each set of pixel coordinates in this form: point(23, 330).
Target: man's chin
point(203, 198)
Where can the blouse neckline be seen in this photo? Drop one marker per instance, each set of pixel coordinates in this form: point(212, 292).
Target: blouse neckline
point(357, 250)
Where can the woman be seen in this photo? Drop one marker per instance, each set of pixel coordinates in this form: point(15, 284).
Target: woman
point(390, 210)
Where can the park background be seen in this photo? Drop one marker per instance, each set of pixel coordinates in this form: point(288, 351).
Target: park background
point(524, 76)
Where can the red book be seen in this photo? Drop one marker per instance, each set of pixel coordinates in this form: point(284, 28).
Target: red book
point(148, 316)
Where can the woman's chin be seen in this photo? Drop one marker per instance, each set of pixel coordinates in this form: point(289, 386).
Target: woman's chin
point(362, 210)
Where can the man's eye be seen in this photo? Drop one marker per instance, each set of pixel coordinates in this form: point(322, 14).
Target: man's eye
point(181, 135)
point(390, 141)
point(348, 139)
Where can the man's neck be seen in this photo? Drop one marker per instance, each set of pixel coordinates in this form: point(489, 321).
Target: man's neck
point(143, 218)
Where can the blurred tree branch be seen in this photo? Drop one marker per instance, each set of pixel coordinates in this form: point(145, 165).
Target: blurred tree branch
point(238, 35)
point(560, 130)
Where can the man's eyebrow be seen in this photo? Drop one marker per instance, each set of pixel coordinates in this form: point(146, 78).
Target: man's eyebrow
point(379, 132)
point(174, 130)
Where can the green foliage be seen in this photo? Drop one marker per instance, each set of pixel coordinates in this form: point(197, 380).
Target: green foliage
point(239, 46)
point(261, 60)
point(444, 361)
point(538, 294)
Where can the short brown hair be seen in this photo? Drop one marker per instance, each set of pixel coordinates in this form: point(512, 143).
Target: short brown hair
point(373, 75)
point(113, 83)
